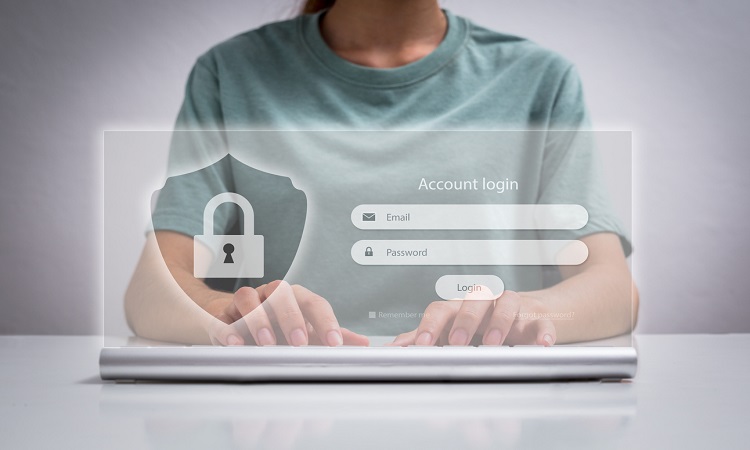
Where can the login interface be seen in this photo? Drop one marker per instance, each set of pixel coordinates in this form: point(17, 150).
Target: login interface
point(383, 224)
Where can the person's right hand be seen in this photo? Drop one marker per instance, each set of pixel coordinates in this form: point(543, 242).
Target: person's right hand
point(280, 313)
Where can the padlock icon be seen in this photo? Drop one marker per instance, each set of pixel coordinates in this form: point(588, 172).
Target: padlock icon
point(233, 256)
point(368, 251)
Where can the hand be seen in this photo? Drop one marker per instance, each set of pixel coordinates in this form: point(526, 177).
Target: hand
point(511, 319)
point(280, 313)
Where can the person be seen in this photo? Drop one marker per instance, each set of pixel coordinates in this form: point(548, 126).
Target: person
point(349, 64)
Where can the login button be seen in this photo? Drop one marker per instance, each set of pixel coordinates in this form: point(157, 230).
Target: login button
point(469, 287)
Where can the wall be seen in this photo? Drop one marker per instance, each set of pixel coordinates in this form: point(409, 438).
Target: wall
point(673, 71)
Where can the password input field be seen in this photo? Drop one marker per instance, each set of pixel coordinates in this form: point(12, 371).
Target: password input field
point(469, 252)
point(469, 217)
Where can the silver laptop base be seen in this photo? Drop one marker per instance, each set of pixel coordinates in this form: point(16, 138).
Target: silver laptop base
point(238, 364)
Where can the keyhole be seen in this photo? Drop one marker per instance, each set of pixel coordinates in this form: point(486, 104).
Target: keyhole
point(228, 249)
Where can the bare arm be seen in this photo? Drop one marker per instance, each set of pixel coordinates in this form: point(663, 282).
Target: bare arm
point(600, 292)
point(164, 301)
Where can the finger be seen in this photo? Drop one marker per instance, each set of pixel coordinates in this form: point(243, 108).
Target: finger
point(469, 316)
point(502, 318)
point(231, 312)
point(247, 301)
point(267, 289)
point(352, 338)
point(288, 314)
point(546, 334)
point(319, 313)
point(222, 334)
point(434, 322)
point(404, 339)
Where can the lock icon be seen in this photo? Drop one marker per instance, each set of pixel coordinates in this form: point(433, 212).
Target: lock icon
point(368, 251)
point(234, 256)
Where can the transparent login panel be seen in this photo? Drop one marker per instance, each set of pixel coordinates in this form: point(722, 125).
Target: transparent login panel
point(367, 238)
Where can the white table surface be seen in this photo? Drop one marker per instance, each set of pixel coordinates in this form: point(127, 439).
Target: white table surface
point(690, 392)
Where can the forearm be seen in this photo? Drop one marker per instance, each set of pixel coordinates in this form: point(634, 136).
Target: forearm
point(597, 303)
point(165, 307)
point(210, 300)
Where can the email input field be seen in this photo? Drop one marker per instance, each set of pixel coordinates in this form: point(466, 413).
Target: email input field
point(469, 252)
point(469, 217)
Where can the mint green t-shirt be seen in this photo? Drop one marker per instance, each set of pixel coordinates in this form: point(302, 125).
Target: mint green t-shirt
point(283, 76)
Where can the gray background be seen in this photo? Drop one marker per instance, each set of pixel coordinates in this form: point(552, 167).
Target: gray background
point(673, 71)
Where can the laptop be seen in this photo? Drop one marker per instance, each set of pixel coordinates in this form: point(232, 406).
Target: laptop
point(385, 224)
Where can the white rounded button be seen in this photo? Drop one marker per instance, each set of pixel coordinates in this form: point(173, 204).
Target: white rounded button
point(469, 287)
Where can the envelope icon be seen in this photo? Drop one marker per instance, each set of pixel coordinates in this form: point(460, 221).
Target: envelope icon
point(368, 217)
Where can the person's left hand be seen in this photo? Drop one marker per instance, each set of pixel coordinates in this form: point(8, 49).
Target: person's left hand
point(511, 319)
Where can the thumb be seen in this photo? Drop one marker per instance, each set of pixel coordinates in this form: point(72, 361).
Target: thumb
point(352, 338)
point(223, 334)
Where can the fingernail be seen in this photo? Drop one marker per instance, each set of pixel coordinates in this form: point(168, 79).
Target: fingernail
point(297, 337)
point(493, 337)
point(265, 337)
point(334, 338)
point(548, 339)
point(234, 340)
point(459, 337)
point(424, 339)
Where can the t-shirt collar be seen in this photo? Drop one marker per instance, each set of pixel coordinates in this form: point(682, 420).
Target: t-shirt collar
point(454, 39)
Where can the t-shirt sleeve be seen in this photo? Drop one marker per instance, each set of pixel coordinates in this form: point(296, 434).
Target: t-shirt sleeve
point(199, 166)
point(571, 171)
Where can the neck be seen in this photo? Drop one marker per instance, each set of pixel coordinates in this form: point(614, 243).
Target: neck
point(383, 33)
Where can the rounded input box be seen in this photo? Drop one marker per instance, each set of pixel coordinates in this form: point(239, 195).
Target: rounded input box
point(469, 287)
point(469, 217)
point(504, 252)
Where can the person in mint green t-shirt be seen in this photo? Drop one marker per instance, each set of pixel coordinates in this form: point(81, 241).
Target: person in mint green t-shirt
point(379, 65)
